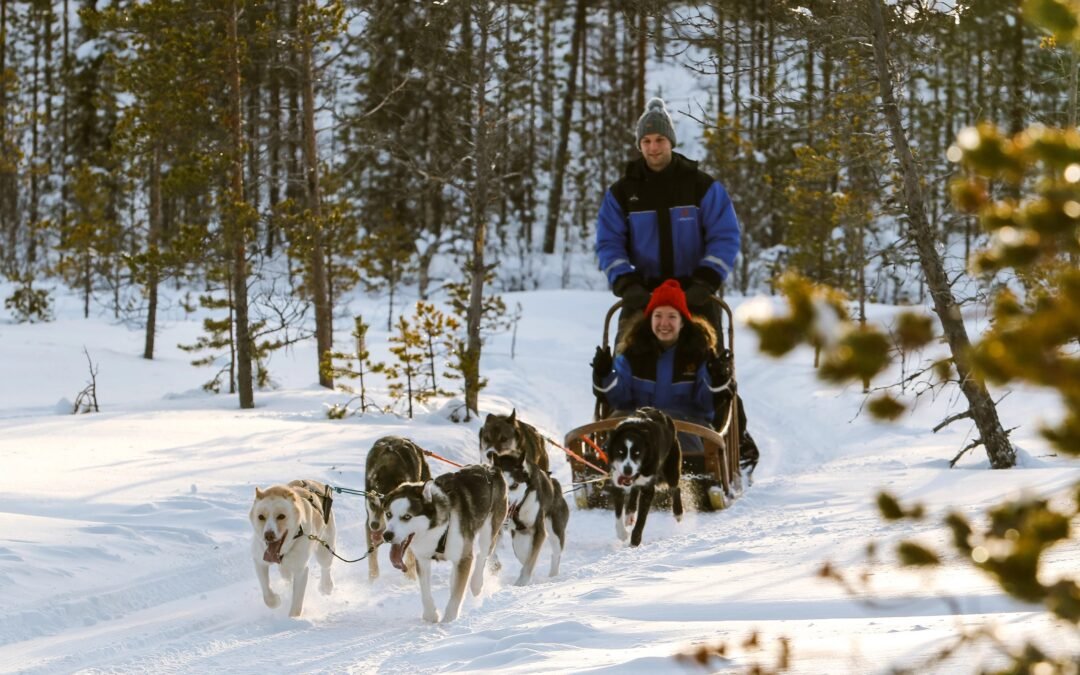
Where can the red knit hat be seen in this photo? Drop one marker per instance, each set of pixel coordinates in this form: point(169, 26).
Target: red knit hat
point(669, 294)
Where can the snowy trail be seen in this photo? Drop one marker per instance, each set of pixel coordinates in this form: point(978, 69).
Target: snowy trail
point(124, 541)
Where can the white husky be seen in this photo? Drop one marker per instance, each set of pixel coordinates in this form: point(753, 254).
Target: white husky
point(282, 517)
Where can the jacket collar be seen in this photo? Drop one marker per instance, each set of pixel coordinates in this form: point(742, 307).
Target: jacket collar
point(638, 170)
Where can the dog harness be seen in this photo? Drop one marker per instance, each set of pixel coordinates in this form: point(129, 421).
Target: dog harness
point(326, 501)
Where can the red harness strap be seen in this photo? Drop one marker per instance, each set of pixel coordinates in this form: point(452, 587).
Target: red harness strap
point(439, 457)
point(577, 456)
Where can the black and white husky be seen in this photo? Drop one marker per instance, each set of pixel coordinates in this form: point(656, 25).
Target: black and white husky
point(537, 511)
point(391, 461)
point(455, 517)
point(642, 451)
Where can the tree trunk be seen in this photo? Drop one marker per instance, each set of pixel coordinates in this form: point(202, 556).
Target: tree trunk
point(8, 221)
point(235, 221)
point(324, 325)
point(152, 274)
point(642, 44)
point(477, 217)
point(555, 200)
point(983, 412)
point(274, 153)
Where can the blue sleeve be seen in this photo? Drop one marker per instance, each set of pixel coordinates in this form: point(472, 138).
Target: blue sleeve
point(703, 396)
point(611, 240)
point(722, 232)
point(618, 387)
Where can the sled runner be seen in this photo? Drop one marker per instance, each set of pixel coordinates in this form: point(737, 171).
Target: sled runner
point(711, 477)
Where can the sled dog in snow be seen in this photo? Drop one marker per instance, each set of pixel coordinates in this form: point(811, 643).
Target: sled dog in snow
point(391, 461)
point(454, 517)
point(642, 451)
point(507, 435)
point(282, 517)
point(536, 511)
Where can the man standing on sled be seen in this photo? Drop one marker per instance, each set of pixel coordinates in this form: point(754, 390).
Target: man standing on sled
point(667, 219)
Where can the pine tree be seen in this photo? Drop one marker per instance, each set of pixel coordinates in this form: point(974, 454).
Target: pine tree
point(341, 365)
point(437, 336)
point(403, 376)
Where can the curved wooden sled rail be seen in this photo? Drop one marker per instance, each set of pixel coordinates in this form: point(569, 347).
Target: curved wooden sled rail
point(721, 464)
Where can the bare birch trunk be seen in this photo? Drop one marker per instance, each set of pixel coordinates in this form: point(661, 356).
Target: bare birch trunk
point(998, 448)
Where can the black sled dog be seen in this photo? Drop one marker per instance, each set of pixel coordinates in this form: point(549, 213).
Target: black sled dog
point(642, 451)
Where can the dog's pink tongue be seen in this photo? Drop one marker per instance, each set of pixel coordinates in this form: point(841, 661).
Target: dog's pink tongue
point(626, 480)
point(397, 553)
point(273, 551)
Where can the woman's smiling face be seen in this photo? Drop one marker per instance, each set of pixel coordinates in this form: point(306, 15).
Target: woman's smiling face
point(666, 324)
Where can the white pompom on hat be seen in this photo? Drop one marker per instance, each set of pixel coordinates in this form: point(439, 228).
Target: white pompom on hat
point(655, 120)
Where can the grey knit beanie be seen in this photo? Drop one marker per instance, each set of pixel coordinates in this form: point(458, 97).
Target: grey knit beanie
point(655, 120)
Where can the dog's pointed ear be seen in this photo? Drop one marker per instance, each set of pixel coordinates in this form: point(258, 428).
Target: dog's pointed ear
point(488, 418)
point(258, 493)
point(513, 415)
point(429, 491)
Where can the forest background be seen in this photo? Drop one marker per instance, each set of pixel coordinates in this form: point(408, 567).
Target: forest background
point(272, 156)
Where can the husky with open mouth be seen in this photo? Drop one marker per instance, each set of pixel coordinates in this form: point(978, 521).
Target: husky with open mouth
point(537, 512)
point(455, 517)
point(642, 451)
point(282, 517)
point(391, 461)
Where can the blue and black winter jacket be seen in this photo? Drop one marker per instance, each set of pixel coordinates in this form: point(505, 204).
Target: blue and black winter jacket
point(675, 380)
point(675, 223)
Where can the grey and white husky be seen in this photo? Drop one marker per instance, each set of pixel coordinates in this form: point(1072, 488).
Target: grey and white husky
point(392, 460)
point(643, 451)
point(454, 517)
point(537, 511)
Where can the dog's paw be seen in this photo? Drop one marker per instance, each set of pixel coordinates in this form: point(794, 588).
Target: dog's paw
point(450, 616)
point(272, 599)
point(522, 581)
point(431, 615)
point(635, 540)
point(621, 531)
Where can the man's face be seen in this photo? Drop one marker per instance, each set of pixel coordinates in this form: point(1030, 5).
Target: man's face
point(656, 149)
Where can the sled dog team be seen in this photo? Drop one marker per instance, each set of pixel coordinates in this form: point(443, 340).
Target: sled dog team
point(458, 516)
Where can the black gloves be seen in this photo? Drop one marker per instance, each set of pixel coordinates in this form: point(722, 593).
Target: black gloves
point(720, 368)
point(704, 282)
point(601, 365)
point(631, 288)
point(697, 293)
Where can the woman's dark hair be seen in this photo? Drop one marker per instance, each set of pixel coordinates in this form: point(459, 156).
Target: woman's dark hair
point(697, 339)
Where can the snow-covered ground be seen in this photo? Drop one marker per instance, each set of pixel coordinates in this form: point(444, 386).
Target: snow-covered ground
point(124, 539)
